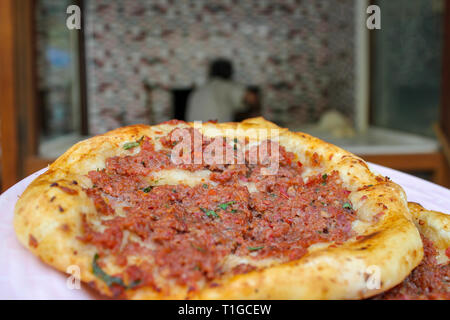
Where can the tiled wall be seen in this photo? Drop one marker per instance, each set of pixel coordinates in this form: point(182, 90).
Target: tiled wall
point(300, 53)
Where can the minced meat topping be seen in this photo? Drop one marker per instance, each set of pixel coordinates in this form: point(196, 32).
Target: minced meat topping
point(428, 281)
point(185, 233)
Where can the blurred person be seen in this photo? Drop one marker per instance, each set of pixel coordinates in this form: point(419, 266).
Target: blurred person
point(220, 98)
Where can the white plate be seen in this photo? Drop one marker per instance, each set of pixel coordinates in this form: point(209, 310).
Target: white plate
point(24, 276)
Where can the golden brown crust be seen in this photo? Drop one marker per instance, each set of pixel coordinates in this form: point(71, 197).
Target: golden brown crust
point(433, 225)
point(47, 221)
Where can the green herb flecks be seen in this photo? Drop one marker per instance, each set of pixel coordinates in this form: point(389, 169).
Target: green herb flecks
point(225, 205)
point(130, 145)
point(210, 213)
point(198, 248)
point(255, 248)
point(133, 144)
point(235, 140)
point(347, 205)
point(324, 179)
point(205, 186)
point(110, 280)
point(148, 189)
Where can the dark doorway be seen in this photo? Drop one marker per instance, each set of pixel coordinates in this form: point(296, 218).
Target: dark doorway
point(179, 102)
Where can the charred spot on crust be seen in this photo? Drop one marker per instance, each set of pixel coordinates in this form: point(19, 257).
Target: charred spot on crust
point(361, 162)
point(61, 209)
point(367, 186)
point(382, 205)
point(52, 198)
point(54, 184)
point(68, 190)
point(32, 242)
point(367, 237)
point(315, 159)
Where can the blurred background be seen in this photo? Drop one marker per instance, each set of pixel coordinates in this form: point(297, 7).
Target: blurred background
point(383, 94)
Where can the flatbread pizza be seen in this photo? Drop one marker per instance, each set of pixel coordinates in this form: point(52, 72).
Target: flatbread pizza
point(243, 210)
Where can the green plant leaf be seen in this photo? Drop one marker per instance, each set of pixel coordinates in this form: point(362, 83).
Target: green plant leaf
point(255, 248)
point(347, 205)
point(130, 145)
point(225, 205)
point(110, 280)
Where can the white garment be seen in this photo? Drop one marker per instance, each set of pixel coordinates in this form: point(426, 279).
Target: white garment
point(217, 100)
